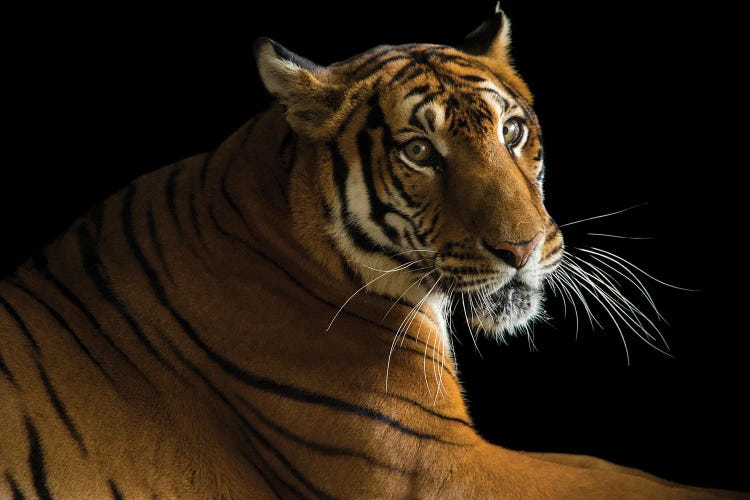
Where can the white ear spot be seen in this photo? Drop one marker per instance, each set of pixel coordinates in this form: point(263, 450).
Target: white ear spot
point(277, 74)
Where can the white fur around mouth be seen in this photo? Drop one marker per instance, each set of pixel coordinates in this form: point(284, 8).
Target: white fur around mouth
point(507, 310)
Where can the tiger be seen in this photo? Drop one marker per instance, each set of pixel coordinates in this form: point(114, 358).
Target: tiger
point(260, 321)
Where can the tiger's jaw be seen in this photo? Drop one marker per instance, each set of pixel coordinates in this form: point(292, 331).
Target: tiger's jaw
point(507, 310)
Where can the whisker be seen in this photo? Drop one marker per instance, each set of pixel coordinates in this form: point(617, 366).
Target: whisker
point(401, 330)
point(627, 262)
point(629, 316)
point(573, 285)
point(398, 300)
point(635, 281)
point(602, 216)
point(614, 321)
point(622, 237)
point(468, 324)
point(397, 268)
point(624, 301)
point(410, 251)
point(555, 277)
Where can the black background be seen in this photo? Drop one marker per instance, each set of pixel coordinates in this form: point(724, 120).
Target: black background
point(629, 107)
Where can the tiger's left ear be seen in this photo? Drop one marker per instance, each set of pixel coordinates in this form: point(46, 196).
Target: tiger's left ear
point(491, 39)
point(314, 99)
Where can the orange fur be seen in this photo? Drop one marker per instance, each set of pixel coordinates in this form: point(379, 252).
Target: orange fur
point(175, 341)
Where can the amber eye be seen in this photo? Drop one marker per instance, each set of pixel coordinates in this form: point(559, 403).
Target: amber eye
point(513, 132)
point(420, 151)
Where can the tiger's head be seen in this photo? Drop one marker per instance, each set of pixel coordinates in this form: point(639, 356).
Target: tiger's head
point(428, 170)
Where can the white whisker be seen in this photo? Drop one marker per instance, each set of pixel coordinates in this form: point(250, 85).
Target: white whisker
point(601, 216)
point(592, 292)
point(635, 281)
point(468, 323)
point(622, 237)
point(627, 262)
point(398, 300)
point(385, 273)
point(402, 329)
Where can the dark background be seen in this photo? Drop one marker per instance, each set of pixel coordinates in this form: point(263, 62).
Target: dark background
point(631, 113)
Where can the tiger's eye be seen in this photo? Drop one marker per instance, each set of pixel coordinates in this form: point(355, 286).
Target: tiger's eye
point(420, 151)
point(513, 132)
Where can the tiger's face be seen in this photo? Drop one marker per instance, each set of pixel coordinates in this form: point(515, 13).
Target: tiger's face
point(433, 185)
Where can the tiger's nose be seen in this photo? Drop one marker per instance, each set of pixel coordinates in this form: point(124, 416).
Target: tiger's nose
point(515, 253)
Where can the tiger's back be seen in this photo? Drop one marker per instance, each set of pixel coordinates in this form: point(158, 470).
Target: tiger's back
point(113, 389)
point(94, 399)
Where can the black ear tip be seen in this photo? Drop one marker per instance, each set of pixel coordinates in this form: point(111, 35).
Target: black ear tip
point(261, 42)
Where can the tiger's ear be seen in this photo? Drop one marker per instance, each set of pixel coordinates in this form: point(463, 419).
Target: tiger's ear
point(312, 100)
point(491, 39)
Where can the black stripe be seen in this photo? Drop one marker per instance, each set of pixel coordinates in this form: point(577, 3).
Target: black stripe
point(369, 57)
point(242, 418)
point(62, 412)
point(496, 96)
point(431, 227)
point(263, 476)
point(425, 101)
point(65, 326)
point(96, 217)
point(42, 265)
point(310, 292)
point(438, 54)
point(397, 184)
point(361, 239)
point(204, 169)
point(17, 318)
point(36, 461)
point(549, 265)
point(410, 66)
point(430, 410)
point(380, 65)
point(417, 91)
point(280, 480)
point(17, 495)
point(256, 381)
point(247, 426)
point(323, 449)
point(407, 78)
point(473, 78)
point(155, 240)
point(94, 268)
point(286, 463)
point(378, 209)
point(552, 251)
point(170, 188)
point(116, 494)
point(194, 221)
point(6, 371)
point(231, 162)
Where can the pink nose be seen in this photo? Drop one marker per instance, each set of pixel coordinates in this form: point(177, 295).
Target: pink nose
point(515, 253)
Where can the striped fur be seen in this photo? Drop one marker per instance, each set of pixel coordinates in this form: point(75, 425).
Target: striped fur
point(186, 338)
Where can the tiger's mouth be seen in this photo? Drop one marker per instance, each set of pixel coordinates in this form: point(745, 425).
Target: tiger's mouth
point(507, 310)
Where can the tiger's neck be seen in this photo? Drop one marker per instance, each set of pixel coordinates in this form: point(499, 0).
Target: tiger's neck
point(268, 188)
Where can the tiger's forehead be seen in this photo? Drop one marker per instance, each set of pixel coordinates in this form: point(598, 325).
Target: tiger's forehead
point(439, 86)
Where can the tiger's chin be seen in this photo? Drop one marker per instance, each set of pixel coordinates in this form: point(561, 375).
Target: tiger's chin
point(509, 310)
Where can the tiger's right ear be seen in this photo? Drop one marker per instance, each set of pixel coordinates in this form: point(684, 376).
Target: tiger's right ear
point(491, 39)
point(313, 101)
